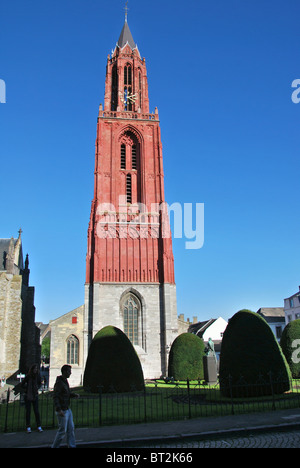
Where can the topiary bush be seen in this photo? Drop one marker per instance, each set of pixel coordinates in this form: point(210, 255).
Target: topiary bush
point(186, 358)
point(290, 343)
point(112, 363)
point(251, 360)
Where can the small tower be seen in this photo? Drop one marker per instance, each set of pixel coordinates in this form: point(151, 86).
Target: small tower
point(129, 265)
point(19, 336)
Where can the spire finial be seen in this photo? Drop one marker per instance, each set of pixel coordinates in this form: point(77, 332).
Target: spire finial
point(126, 11)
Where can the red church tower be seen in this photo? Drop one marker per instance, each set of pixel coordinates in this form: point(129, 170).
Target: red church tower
point(129, 266)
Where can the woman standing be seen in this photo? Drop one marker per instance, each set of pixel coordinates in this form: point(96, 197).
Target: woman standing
point(31, 384)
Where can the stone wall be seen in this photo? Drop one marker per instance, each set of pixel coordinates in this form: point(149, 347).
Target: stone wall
point(159, 319)
point(61, 329)
point(10, 323)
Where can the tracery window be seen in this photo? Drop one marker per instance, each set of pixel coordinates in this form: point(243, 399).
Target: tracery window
point(131, 312)
point(130, 160)
point(73, 350)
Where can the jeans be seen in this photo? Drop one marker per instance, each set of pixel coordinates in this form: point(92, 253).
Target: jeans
point(65, 426)
point(35, 405)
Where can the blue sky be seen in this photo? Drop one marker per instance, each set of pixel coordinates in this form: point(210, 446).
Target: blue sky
point(220, 74)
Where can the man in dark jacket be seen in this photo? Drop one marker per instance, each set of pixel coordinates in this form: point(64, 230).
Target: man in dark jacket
point(61, 397)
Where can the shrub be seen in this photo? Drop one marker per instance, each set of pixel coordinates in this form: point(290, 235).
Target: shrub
point(112, 363)
point(290, 342)
point(186, 357)
point(251, 361)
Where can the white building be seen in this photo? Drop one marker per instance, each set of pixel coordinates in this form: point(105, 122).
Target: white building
point(213, 328)
point(274, 316)
point(292, 307)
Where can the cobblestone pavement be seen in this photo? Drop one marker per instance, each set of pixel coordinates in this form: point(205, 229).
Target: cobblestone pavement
point(280, 439)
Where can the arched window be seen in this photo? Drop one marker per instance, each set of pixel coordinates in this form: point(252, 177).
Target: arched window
point(127, 75)
point(114, 89)
point(73, 350)
point(130, 160)
point(127, 87)
point(131, 319)
point(140, 89)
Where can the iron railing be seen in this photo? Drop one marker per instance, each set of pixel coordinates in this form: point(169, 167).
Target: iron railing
point(173, 401)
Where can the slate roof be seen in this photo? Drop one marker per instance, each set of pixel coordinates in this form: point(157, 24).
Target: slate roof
point(272, 314)
point(200, 327)
point(125, 37)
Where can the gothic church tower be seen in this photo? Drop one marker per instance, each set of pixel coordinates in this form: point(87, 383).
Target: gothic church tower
point(129, 265)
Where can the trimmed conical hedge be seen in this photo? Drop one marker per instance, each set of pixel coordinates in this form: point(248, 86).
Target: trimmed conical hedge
point(112, 363)
point(251, 361)
point(290, 344)
point(186, 358)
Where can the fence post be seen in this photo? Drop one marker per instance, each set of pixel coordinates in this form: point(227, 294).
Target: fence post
point(273, 399)
point(100, 405)
point(189, 399)
point(145, 405)
point(6, 413)
point(230, 389)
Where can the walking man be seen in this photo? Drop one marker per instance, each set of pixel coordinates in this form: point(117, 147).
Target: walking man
point(61, 397)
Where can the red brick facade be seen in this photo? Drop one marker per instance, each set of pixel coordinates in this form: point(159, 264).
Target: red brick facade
point(128, 236)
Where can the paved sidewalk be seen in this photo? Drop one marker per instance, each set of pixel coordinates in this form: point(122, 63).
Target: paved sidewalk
point(201, 427)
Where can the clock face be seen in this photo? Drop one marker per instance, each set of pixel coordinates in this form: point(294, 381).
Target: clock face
point(127, 97)
point(131, 97)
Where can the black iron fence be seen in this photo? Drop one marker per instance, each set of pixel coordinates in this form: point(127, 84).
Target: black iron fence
point(157, 402)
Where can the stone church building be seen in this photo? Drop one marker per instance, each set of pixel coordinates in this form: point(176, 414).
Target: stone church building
point(129, 263)
point(19, 336)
